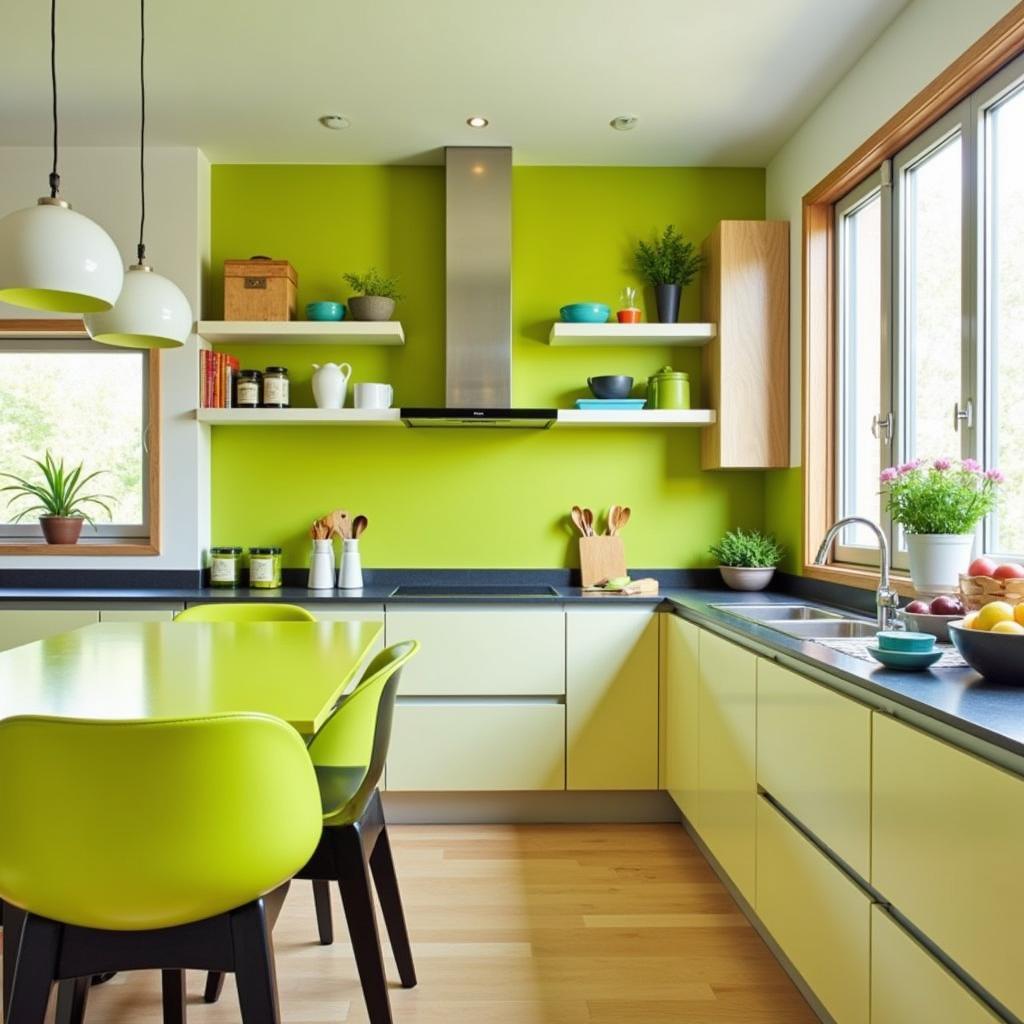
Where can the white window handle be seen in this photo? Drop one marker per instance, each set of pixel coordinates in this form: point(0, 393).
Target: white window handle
point(880, 423)
point(964, 415)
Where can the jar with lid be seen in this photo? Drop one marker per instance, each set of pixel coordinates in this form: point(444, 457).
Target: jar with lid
point(249, 389)
point(275, 387)
point(264, 568)
point(224, 566)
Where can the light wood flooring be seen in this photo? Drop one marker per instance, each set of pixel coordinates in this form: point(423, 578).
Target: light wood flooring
point(534, 924)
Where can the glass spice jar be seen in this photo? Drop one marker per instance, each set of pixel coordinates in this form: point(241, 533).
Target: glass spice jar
point(225, 564)
point(265, 568)
point(248, 389)
point(275, 387)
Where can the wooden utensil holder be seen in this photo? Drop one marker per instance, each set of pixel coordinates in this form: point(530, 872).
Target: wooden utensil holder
point(601, 558)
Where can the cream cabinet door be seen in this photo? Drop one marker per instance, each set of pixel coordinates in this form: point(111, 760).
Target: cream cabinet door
point(682, 699)
point(505, 651)
point(727, 723)
point(611, 696)
point(23, 626)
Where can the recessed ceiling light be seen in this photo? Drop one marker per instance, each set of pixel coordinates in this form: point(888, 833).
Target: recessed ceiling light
point(336, 122)
point(624, 122)
point(477, 122)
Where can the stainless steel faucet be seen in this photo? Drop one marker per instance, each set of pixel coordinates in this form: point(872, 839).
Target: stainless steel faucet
point(886, 598)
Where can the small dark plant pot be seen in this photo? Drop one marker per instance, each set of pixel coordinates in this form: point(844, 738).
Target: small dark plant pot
point(371, 307)
point(61, 529)
point(667, 298)
point(742, 578)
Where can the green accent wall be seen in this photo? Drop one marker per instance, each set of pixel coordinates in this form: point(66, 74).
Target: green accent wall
point(472, 498)
point(784, 513)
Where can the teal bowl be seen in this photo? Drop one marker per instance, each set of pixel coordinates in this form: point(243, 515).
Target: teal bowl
point(586, 313)
point(909, 643)
point(905, 661)
point(325, 311)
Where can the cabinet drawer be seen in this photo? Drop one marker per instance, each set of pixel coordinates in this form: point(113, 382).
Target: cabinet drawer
point(820, 919)
point(509, 652)
point(488, 746)
point(909, 984)
point(947, 850)
point(814, 758)
point(19, 627)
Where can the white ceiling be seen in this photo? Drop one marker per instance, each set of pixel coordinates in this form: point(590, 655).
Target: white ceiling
point(712, 81)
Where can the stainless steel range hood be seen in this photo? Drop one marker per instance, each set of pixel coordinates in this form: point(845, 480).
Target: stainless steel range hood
point(478, 258)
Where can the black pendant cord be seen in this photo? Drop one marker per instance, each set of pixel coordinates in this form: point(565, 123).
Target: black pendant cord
point(142, 128)
point(54, 176)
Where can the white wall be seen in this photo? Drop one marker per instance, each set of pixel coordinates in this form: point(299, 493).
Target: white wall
point(102, 183)
point(920, 43)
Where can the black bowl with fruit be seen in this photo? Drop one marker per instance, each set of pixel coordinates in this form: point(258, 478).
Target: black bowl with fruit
point(933, 617)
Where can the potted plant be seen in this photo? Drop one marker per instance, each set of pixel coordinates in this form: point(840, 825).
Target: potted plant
point(669, 264)
point(939, 504)
point(375, 296)
point(747, 559)
point(59, 500)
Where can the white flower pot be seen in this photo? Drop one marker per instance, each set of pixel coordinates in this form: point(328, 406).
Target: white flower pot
point(739, 578)
point(937, 559)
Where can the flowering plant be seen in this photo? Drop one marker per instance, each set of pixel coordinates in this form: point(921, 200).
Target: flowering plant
point(943, 496)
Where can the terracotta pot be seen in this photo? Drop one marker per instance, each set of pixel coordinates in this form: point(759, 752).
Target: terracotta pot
point(738, 578)
point(371, 307)
point(61, 529)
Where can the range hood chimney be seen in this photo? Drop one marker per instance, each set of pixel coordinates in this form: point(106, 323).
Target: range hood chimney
point(478, 264)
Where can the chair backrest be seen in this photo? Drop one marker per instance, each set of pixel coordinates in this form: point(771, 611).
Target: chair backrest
point(130, 825)
point(358, 733)
point(253, 611)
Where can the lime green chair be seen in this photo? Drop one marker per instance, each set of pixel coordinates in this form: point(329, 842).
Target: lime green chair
point(228, 611)
point(119, 854)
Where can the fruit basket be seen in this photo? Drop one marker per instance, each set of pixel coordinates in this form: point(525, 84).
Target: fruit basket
point(978, 591)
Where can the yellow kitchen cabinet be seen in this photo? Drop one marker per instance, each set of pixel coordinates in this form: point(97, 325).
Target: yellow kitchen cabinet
point(727, 722)
point(440, 745)
point(138, 614)
point(23, 626)
point(820, 919)
point(814, 758)
point(908, 984)
point(476, 651)
point(948, 852)
point(682, 699)
point(611, 686)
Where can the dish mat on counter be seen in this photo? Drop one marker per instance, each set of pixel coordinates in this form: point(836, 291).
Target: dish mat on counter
point(859, 649)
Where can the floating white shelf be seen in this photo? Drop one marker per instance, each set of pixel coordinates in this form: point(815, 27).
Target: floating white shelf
point(298, 417)
point(301, 332)
point(635, 418)
point(631, 334)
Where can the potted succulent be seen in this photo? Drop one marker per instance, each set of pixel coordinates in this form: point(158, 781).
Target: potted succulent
point(668, 264)
point(375, 296)
point(939, 504)
point(59, 500)
point(747, 559)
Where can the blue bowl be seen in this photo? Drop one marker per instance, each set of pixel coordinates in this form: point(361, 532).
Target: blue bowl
point(586, 313)
point(325, 311)
point(912, 643)
point(905, 661)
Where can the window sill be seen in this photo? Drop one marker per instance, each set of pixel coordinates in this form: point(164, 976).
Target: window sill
point(96, 548)
point(855, 576)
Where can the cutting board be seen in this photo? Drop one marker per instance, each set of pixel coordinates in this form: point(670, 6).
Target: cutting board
point(601, 558)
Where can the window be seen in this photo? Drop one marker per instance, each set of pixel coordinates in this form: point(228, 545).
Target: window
point(86, 403)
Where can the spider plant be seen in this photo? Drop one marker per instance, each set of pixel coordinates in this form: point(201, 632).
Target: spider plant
point(59, 495)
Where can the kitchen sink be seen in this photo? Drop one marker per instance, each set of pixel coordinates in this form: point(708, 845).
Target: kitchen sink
point(454, 591)
point(802, 620)
point(835, 629)
point(777, 612)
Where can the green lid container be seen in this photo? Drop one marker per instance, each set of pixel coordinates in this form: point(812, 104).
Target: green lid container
point(668, 389)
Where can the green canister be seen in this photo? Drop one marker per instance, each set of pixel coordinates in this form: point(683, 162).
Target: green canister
point(224, 566)
point(668, 389)
point(265, 568)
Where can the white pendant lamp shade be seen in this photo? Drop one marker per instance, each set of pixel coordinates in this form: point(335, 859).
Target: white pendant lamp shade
point(54, 259)
point(151, 312)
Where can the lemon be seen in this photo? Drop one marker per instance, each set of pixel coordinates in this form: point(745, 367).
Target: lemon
point(1008, 626)
point(995, 611)
point(970, 620)
point(1019, 613)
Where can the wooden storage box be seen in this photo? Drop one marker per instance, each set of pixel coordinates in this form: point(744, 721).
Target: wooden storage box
point(259, 289)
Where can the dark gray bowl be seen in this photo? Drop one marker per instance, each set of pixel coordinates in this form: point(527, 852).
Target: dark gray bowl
point(615, 386)
point(999, 657)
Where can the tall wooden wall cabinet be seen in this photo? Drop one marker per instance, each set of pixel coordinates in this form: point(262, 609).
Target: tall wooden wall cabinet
point(746, 366)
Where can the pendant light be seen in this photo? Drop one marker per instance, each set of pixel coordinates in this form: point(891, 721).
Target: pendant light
point(151, 312)
point(52, 258)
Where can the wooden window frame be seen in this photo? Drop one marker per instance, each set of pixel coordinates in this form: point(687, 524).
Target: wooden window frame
point(88, 547)
point(997, 47)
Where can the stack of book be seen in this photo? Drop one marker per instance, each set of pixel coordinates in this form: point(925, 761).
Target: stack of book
point(217, 373)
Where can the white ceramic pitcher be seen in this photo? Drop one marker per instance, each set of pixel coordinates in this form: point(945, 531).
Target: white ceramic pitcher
point(330, 382)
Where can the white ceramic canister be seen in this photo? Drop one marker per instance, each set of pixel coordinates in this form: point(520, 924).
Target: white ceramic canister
point(330, 383)
point(350, 575)
point(321, 566)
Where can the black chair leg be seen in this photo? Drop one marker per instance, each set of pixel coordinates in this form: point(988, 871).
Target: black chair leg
point(173, 986)
point(322, 901)
point(14, 923)
point(383, 866)
point(254, 966)
point(353, 877)
point(72, 997)
point(35, 970)
point(214, 986)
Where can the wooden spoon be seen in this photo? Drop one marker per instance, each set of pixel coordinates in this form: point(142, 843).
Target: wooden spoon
point(623, 517)
point(358, 525)
point(576, 514)
point(613, 520)
point(588, 522)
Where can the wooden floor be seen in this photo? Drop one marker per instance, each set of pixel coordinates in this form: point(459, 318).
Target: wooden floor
point(540, 924)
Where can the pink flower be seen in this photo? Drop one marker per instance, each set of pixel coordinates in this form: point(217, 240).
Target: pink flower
point(942, 464)
point(997, 476)
point(971, 465)
point(888, 475)
point(909, 467)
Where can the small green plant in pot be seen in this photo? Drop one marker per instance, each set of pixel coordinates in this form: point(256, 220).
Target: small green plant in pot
point(668, 264)
point(59, 500)
point(376, 295)
point(747, 558)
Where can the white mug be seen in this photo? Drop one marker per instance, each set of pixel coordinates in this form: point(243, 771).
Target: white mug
point(373, 396)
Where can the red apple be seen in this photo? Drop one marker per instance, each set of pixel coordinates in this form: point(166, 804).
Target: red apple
point(918, 608)
point(1009, 571)
point(946, 606)
point(982, 567)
